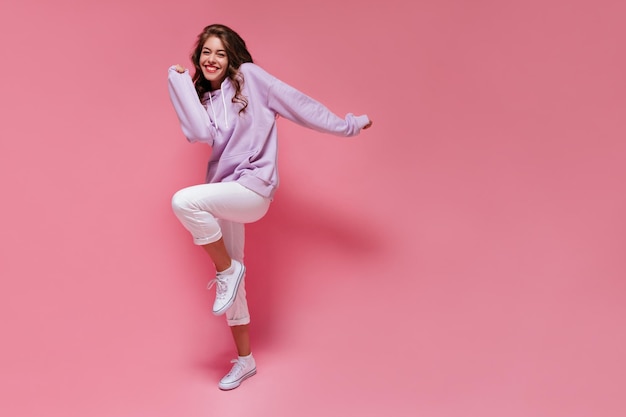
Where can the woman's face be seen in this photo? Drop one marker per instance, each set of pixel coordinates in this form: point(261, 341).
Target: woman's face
point(214, 61)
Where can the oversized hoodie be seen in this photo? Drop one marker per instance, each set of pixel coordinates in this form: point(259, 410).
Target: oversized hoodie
point(244, 145)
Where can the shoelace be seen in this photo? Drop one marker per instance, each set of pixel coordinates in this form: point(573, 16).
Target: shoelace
point(220, 291)
point(237, 368)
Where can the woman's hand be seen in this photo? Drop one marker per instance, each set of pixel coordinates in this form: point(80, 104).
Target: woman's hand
point(179, 69)
point(367, 126)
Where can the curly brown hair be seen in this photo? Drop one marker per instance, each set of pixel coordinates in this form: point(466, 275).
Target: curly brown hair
point(237, 54)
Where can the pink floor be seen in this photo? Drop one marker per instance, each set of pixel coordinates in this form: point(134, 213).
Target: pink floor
point(464, 257)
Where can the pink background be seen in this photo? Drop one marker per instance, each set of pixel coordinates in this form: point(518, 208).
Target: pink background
point(464, 257)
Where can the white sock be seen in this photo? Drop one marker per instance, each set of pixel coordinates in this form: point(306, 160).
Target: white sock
point(228, 270)
point(246, 357)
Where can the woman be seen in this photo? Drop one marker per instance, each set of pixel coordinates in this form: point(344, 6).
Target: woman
point(232, 104)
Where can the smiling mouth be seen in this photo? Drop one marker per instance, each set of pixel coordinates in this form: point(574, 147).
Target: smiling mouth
point(211, 69)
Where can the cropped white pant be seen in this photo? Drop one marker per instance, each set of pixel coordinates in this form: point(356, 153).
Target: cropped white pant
point(212, 211)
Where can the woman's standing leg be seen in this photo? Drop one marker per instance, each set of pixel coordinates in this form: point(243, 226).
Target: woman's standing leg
point(238, 316)
point(241, 336)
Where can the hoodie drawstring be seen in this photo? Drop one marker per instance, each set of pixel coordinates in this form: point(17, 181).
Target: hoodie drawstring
point(225, 110)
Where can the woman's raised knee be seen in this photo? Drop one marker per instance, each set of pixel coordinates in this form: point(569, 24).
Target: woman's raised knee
point(180, 202)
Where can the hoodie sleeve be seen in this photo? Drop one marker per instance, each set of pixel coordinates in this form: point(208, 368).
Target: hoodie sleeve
point(305, 111)
point(192, 115)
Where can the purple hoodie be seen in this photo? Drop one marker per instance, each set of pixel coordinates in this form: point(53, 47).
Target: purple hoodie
point(244, 146)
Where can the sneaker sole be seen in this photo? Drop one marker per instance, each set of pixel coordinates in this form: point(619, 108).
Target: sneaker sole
point(232, 299)
point(238, 382)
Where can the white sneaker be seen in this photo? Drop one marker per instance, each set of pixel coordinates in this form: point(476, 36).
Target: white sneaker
point(243, 368)
point(226, 287)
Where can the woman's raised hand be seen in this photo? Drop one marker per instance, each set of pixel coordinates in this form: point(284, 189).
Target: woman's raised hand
point(179, 69)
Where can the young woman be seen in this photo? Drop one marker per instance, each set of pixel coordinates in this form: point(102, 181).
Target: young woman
point(231, 104)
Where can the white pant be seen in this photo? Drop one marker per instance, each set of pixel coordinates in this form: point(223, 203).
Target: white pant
point(213, 211)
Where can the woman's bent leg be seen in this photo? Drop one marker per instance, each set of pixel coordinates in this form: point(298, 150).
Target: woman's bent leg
point(199, 208)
